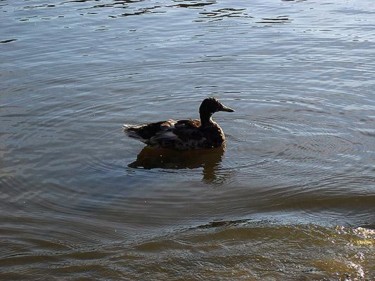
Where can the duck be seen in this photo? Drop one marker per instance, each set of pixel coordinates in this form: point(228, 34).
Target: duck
point(185, 134)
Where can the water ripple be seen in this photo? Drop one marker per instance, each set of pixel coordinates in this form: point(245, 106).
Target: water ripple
point(79, 199)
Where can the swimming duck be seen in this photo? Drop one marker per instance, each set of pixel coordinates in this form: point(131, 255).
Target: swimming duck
point(184, 134)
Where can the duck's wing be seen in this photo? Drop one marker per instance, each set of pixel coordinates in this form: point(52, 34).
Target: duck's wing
point(184, 134)
point(147, 131)
point(192, 135)
point(188, 130)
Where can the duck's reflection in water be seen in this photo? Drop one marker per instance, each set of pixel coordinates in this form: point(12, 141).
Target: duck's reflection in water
point(208, 159)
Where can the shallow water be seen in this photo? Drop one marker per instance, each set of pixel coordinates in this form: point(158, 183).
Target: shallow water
point(292, 195)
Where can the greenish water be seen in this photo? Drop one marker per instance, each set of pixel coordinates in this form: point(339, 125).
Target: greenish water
point(292, 195)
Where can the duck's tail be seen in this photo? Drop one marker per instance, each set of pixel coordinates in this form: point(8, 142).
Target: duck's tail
point(134, 131)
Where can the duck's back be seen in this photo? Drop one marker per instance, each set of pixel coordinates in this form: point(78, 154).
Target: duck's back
point(180, 135)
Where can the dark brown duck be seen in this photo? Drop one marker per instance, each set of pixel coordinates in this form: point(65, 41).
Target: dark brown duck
point(184, 134)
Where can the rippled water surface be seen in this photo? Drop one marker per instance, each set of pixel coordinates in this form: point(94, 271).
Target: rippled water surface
point(292, 195)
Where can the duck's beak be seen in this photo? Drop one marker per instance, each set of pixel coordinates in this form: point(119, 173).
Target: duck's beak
point(225, 108)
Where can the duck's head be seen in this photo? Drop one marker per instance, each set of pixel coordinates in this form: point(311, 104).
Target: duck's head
point(211, 105)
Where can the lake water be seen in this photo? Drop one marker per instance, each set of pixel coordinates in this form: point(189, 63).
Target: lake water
point(292, 195)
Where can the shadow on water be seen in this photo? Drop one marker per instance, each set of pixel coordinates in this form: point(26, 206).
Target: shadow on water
point(208, 159)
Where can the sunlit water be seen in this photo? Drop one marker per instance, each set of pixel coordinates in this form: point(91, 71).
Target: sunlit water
point(291, 197)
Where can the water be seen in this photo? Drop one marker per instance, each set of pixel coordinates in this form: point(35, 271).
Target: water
point(291, 197)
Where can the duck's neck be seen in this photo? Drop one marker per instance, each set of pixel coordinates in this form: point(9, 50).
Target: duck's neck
point(206, 119)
